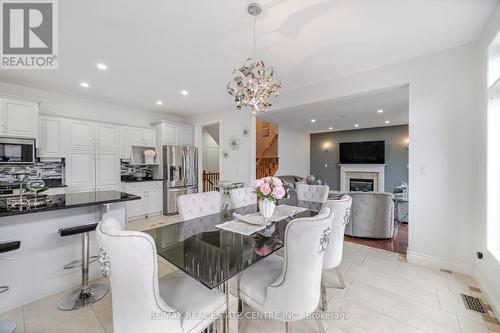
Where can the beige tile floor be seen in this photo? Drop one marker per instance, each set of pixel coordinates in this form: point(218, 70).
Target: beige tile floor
point(384, 293)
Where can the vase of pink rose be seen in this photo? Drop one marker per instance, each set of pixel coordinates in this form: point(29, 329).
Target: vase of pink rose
point(269, 189)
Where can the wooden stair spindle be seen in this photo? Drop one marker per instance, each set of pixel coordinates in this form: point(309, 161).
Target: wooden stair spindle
point(265, 165)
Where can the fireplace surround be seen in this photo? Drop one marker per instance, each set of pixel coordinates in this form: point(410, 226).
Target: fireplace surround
point(367, 172)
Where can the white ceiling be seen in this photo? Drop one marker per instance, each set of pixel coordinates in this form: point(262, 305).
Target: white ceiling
point(344, 113)
point(156, 48)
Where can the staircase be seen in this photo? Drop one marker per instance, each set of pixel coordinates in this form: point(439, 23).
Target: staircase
point(267, 163)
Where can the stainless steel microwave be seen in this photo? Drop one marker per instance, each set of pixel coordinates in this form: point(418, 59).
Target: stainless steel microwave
point(17, 151)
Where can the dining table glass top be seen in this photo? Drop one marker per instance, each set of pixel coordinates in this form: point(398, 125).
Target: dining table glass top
point(211, 255)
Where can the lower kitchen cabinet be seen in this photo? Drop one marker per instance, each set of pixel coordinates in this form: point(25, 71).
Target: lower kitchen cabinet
point(151, 202)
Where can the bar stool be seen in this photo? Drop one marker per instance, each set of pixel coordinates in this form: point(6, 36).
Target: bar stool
point(8, 326)
point(86, 294)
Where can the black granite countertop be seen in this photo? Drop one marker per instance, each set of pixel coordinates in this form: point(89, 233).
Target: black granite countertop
point(134, 180)
point(68, 201)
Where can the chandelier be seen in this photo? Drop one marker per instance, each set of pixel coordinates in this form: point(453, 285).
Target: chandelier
point(253, 83)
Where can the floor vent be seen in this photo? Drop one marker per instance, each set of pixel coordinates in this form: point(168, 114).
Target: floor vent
point(473, 304)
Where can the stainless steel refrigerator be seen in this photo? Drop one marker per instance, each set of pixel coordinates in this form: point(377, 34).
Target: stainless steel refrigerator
point(180, 175)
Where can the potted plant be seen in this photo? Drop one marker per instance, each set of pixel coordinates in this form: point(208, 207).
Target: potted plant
point(269, 189)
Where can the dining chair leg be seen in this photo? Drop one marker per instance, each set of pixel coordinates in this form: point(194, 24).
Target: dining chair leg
point(341, 277)
point(288, 326)
point(321, 328)
point(324, 299)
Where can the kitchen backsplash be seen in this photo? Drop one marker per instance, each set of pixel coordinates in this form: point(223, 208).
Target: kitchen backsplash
point(53, 171)
point(132, 171)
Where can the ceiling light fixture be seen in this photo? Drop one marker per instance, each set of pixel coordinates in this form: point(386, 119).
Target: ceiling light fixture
point(330, 128)
point(380, 111)
point(159, 103)
point(356, 125)
point(184, 92)
point(313, 120)
point(387, 122)
point(84, 84)
point(253, 83)
point(102, 66)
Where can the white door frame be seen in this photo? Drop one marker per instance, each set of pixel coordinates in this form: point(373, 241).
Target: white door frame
point(198, 142)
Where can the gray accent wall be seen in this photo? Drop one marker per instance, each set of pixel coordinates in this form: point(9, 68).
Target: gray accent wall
point(324, 164)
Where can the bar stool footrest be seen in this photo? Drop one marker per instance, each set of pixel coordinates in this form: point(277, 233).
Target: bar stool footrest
point(78, 263)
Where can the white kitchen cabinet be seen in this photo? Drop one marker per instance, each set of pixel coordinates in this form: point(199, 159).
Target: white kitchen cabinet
point(89, 135)
point(108, 137)
point(142, 137)
point(169, 134)
point(151, 202)
point(149, 138)
point(174, 134)
point(107, 169)
point(185, 136)
point(19, 118)
point(125, 143)
point(80, 169)
point(136, 136)
point(81, 135)
point(52, 137)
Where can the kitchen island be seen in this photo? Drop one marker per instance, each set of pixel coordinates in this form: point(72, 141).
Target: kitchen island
point(36, 269)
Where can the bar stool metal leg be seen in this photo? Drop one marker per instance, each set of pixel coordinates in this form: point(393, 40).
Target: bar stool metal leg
point(86, 294)
point(7, 326)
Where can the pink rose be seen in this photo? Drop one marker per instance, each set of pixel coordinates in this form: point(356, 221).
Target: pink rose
point(258, 183)
point(278, 192)
point(277, 181)
point(265, 188)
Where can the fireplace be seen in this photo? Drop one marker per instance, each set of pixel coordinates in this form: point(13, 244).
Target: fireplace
point(360, 185)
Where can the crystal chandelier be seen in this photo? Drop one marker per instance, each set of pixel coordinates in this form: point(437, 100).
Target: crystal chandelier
point(253, 83)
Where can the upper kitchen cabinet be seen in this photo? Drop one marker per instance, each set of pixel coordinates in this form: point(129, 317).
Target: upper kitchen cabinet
point(142, 137)
point(18, 117)
point(52, 137)
point(185, 136)
point(81, 135)
point(174, 134)
point(89, 135)
point(108, 137)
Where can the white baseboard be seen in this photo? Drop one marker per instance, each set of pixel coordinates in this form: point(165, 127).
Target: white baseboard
point(427, 260)
point(492, 301)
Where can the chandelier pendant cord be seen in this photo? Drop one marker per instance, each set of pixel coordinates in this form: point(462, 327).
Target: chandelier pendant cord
point(254, 38)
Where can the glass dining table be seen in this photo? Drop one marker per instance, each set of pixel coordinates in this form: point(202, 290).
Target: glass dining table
point(214, 256)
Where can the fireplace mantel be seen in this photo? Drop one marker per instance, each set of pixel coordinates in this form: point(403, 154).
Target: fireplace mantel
point(378, 170)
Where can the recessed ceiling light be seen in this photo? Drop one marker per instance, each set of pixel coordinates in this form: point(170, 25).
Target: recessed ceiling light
point(184, 92)
point(313, 120)
point(387, 122)
point(380, 111)
point(330, 128)
point(159, 103)
point(84, 84)
point(102, 66)
point(356, 125)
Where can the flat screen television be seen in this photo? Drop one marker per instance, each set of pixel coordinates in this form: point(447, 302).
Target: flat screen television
point(370, 152)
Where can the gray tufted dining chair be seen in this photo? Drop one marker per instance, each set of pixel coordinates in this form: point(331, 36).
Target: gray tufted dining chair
point(288, 288)
point(332, 259)
point(141, 301)
point(315, 193)
point(243, 196)
point(196, 205)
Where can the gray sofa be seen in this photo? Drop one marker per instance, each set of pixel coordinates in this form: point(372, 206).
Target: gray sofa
point(372, 215)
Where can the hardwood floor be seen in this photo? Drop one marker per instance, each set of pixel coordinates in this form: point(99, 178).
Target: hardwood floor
point(398, 243)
